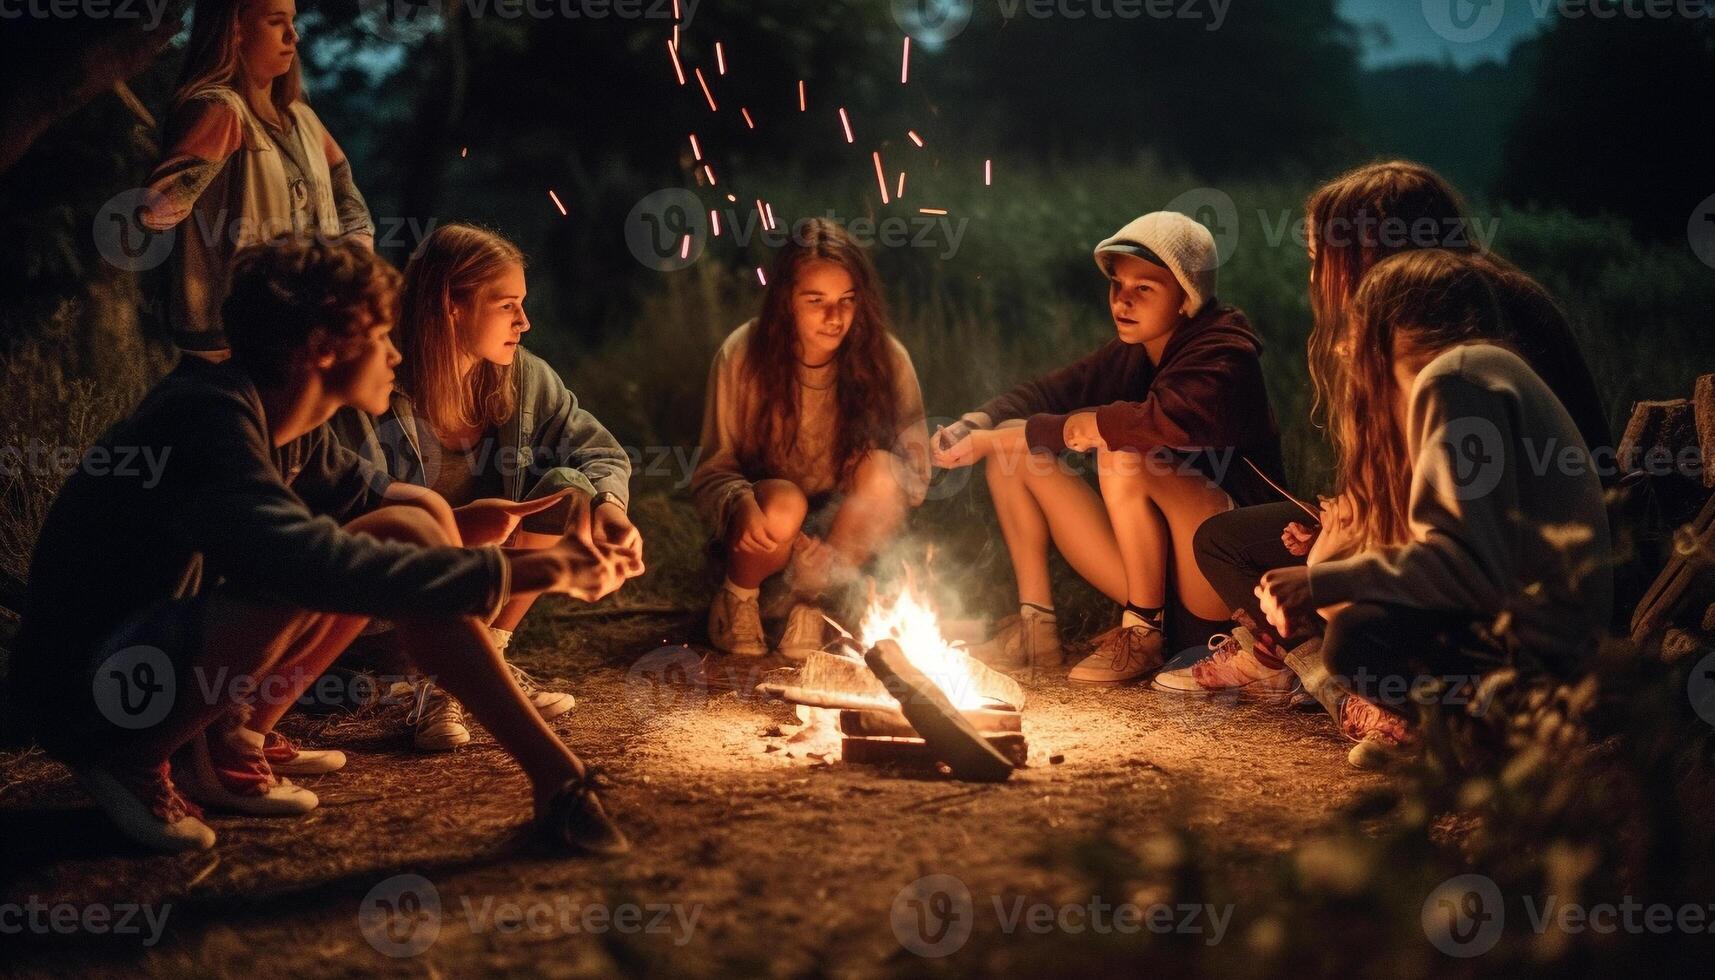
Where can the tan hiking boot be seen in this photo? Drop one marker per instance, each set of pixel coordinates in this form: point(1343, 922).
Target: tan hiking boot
point(1122, 655)
point(1028, 639)
point(806, 632)
point(735, 625)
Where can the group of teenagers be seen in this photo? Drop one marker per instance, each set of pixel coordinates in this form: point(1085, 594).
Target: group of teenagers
point(359, 462)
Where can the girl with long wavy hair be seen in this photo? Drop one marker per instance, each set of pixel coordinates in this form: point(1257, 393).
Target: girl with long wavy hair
point(813, 447)
point(247, 161)
point(1352, 223)
point(492, 429)
point(1478, 532)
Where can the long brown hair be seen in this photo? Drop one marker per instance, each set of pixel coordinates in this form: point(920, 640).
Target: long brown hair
point(1412, 304)
point(212, 58)
point(448, 269)
point(864, 366)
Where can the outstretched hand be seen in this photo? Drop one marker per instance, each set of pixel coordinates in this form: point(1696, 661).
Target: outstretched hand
point(492, 520)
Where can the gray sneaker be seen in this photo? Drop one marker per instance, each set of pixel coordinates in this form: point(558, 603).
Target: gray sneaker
point(1029, 639)
point(806, 631)
point(437, 720)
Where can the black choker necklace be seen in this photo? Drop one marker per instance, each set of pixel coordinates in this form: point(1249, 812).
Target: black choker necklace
point(813, 367)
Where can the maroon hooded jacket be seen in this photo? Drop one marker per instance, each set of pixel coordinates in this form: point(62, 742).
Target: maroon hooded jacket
point(1206, 400)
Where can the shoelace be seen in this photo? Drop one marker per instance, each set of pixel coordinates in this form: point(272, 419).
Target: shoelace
point(526, 683)
point(1126, 649)
point(155, 787)
point(1360, 717)
point(444, 708)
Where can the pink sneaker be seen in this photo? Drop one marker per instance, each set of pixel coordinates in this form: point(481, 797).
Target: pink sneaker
point(226, 769)
point(1384, 738)
point(1232, 668)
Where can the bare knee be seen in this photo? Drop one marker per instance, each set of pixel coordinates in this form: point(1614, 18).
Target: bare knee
point(401, 523)
point(877, 477)
point(1123, 470)
point(784, 507)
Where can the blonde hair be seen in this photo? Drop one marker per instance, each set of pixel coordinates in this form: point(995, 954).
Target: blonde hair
point(212, 57)
point(1413, 304)
point(450, 268)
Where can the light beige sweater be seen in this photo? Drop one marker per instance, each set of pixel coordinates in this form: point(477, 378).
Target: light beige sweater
point(1506, 511)
point(720, 481)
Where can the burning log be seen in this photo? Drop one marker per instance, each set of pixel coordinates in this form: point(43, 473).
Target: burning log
point(947, 734)
point(914, 753)
point(893, 724)
point(829, 680)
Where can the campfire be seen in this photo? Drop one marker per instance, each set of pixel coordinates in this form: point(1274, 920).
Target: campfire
point(903, 694)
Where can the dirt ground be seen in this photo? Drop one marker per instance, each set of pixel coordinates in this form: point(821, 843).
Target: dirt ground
point(748, 857)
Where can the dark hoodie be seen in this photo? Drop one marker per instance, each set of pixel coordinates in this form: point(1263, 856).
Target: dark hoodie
point(1206, 400)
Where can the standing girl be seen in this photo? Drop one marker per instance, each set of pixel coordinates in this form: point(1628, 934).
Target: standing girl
point(814, 447)
point(482, 421)
point(249, 161)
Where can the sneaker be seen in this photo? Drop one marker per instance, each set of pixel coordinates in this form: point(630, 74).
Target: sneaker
point(147, 808)
point(1232, 667)
point(548, 704)
point(287, 758)
point(806, 631)
point(437, 720)
point(735, 625)
point(1384, 738)
point(1122, 654)
point(227, 770)
point(573, 818)
point(1029, 639)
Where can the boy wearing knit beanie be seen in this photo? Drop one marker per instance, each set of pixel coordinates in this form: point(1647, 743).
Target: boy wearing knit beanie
point(1168, 406)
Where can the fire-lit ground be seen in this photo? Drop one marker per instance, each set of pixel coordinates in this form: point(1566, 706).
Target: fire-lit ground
point(747, 858)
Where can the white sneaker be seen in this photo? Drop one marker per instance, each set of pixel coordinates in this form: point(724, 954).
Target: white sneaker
point(147, 808)
point(288, 758)
point(1029, 639)
point(735, 625)
point(227, 770)
point(437, 720)
point(806, 632)
point(548, 704)
point(1232, 668)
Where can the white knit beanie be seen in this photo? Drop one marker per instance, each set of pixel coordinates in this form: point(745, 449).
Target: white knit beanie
point(1175, 241)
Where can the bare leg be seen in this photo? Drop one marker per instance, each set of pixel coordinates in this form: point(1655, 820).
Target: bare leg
point(784, 507)
point(513, 612)
point(1156, 506)
point(872, 512)
point(1037, 501)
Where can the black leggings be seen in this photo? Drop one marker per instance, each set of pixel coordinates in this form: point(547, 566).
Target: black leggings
point(1235, 549)
point(1376, 650)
